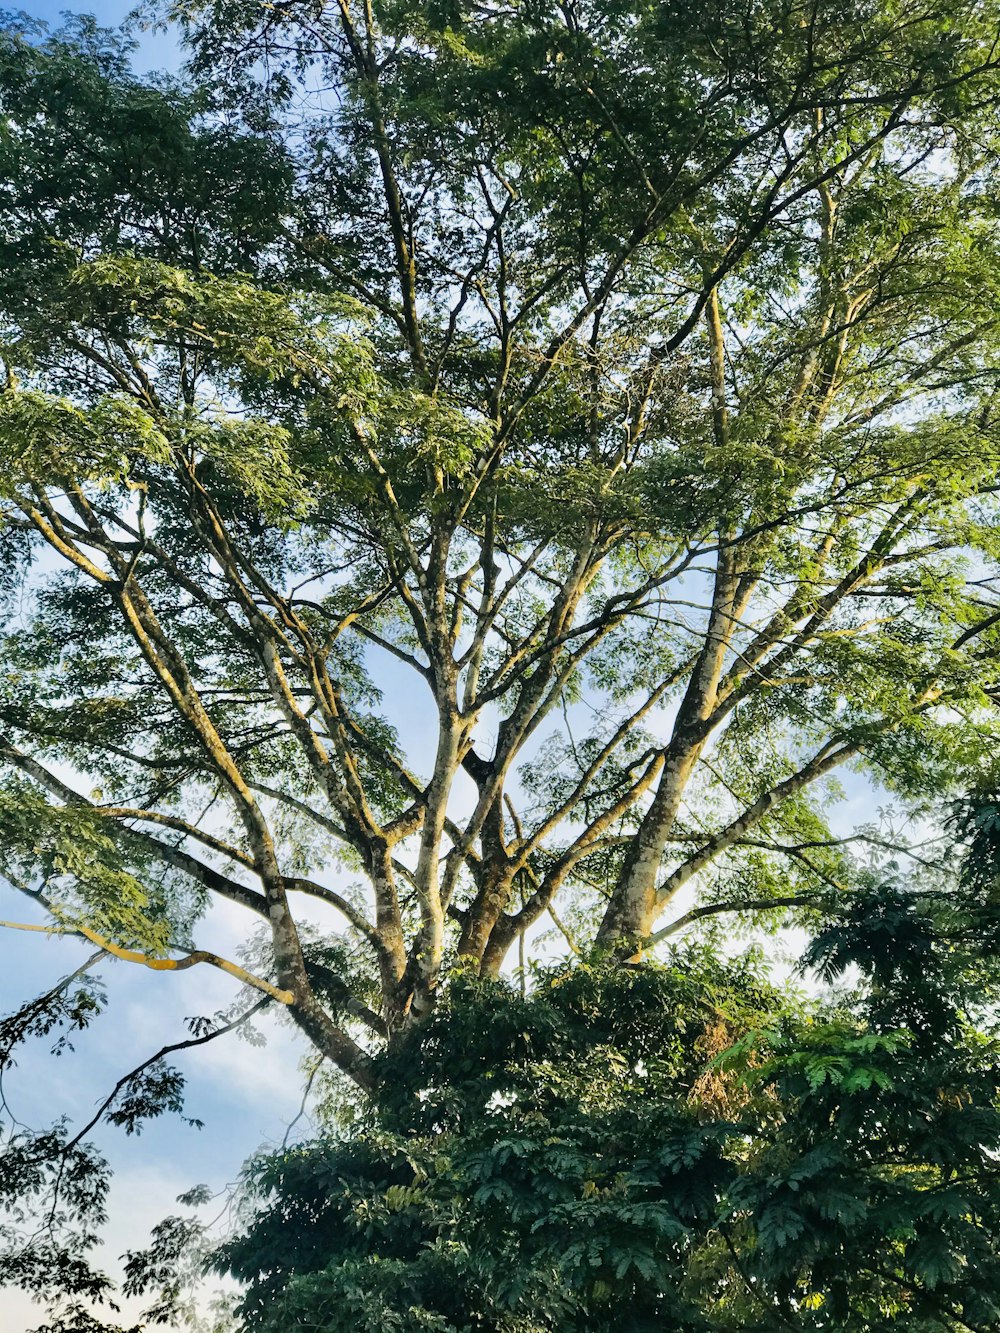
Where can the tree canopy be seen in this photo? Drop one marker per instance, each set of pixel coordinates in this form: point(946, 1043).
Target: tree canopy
point(464, 467)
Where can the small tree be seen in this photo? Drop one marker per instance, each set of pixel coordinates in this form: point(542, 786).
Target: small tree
point(572, 1164)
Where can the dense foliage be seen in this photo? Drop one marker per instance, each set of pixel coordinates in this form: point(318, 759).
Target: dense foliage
point(465, 467)
point(673, 1146)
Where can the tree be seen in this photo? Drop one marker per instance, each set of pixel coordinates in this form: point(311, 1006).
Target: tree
point(619, 376)
point(572, 1163)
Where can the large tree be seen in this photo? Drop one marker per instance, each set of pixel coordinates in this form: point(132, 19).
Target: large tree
point(608, 389)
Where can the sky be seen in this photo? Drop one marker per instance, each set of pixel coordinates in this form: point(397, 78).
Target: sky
point(156, 50)
point(246, 1095)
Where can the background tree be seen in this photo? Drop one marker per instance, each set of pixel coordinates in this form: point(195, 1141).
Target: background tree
point(619, 377)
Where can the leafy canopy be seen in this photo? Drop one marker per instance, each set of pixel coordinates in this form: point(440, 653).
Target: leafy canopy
point(465, 468)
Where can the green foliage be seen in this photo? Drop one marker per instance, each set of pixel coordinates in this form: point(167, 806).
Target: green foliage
point(510, 1179)
point(590, 1157)
point(83, 874)
point(65, 1010)
point(54, 1263)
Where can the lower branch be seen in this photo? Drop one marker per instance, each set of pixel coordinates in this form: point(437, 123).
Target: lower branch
point(160, 964)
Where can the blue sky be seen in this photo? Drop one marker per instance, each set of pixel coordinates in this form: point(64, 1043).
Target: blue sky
point(245, 1094)
point(156, 50)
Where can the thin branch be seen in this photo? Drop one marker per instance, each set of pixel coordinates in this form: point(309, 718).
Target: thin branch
point(186, 1045)
point(715, 909)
